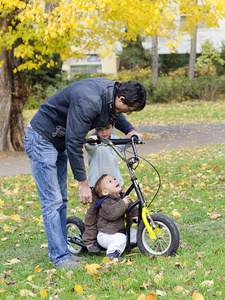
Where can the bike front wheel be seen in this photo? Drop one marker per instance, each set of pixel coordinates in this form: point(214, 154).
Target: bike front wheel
point(75, 229)
point(167, 234)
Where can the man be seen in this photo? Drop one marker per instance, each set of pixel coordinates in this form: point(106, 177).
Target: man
point(58, 129)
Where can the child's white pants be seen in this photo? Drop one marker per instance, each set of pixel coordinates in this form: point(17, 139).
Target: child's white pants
point(115, 241)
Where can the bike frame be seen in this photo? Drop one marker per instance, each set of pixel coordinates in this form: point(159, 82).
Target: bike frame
point(143, 212)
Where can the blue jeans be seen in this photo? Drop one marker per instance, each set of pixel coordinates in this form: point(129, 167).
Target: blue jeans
point(49, 169)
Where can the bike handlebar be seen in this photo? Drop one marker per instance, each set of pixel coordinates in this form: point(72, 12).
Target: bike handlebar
point(134, 139)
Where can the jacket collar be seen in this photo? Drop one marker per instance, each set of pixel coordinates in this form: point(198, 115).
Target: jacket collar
point(101, 199)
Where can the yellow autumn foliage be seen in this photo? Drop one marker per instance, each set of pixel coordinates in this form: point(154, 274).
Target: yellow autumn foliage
point(72, 28)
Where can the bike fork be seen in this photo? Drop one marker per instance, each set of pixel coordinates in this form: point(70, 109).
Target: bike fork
point(145, 217)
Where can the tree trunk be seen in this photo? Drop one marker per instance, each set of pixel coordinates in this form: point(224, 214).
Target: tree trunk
point(19, 97)
point(13, 96)
point(5, 97)
point(155, 62)
point(192, 57)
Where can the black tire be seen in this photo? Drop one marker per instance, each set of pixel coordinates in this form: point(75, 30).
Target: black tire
point(164, 245)
point(75, 229)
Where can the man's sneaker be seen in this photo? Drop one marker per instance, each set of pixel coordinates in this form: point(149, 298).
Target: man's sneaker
point(77, 258)
point(69, 264)
point(94, 248)
point(74, 257)
point(113, 255)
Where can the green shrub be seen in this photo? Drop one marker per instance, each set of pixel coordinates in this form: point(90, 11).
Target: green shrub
point(39, 93)
point(220, 68)
point(175, 87)
point(140, 75)
point(183, 88)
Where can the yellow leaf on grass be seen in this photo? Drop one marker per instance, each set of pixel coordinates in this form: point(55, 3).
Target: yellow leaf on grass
point(186, 263)
point(38, 269)
point(106, 260)
point(208, 283)
point(197, 296)
point(43, 294)
point(158, 278)
point(79, 288)
point(5, 227)
point(16, 217)
point(25, 293)
point(176, 214)
point(96, 276)
point(151, 296)
point(92, 268)
point(30, 277)
point(1, 202)
point(12, 261)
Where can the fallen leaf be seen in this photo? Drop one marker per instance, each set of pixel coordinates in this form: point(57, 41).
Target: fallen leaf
point(30, 277)
point(208, 283)
point(150, 296)
point(25, 293)
point(160, 293)
point(216, 168)
point(96, 276)
point(12, 261)
point(43, 294)
point(158, 278)
point(38, 269)
point(176, 214)
point(5, 227)
point(180, 289)
point(79, 289)
point(15, 217)
point(92, 268)
point(197, 296)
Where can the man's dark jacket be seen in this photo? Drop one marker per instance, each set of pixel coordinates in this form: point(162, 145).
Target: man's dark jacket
point(65, 118)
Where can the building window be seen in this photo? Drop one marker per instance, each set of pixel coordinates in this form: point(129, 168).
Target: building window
point(85, 69)
point(91, 64)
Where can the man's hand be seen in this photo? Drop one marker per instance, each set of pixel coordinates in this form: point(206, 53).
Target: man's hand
point(85, 192)
point(134, 132)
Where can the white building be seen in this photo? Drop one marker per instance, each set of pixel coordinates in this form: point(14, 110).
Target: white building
point(214, 35)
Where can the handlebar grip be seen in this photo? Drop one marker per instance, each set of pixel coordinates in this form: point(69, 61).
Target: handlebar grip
point(126, 141)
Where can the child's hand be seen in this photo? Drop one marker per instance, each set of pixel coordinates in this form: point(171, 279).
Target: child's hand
point(94, 137)
point(126, 200)
point(135, 219)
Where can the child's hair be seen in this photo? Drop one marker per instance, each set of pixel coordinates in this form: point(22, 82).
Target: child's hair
point(98, 186)
point(111, 122)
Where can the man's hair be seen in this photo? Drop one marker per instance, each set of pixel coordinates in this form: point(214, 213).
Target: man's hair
point(98, 186)
point(133, 92)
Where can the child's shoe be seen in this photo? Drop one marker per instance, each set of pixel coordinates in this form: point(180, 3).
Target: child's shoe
point(113, 255)
point(94, 248)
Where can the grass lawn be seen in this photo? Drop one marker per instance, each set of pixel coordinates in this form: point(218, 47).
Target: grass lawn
point(192, 194)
